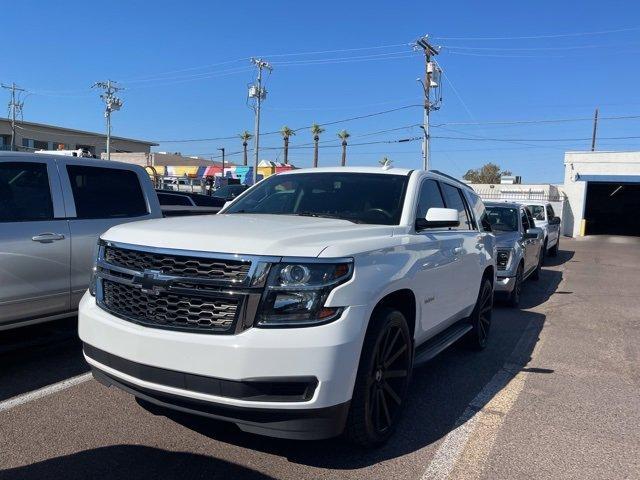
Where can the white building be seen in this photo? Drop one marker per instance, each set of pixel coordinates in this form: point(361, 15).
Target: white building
point(603, 193)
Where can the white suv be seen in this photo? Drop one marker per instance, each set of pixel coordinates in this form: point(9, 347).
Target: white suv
point(300, 310)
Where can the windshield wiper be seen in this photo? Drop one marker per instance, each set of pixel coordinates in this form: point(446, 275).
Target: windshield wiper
point(323, 215)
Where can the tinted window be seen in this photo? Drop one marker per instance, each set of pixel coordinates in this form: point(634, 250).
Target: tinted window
point(532, 222)
point(24, 192)
point(453, 199)
point(106, 192)
point(550, 213)
point(429, 197)
point(537, 211)
point(358, 197)
point(480, 213)
point(169, 199)
point(525, 221)
point(502, 219)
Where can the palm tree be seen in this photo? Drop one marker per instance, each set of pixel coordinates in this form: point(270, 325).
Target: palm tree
point(343, 135)
point(245, 137)
point(385, 162)
point(286, 132)
point(316, 130)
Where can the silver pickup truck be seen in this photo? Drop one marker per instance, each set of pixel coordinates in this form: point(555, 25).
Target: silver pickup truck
point(52, 210)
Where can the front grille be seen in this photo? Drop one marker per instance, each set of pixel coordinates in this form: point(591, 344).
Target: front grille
point(169, 310)
point(185, 266)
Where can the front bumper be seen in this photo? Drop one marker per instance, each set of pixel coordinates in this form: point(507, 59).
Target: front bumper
point(328, 354)
point(504, 284)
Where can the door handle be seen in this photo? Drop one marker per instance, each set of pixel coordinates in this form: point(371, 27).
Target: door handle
point(457, 250)
point(47, 237)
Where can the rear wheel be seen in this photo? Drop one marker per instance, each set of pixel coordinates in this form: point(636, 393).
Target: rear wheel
point(382, 379)
point(514, 296)
point(535, 275)
point(480, 318)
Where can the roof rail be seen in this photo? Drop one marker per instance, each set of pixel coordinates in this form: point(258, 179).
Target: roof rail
point(459, 182)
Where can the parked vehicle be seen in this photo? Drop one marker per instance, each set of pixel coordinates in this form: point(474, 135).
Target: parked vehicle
point(229, 192)
point(52, 209)
point(174, 203)
point(519, 248)
point(300, 310)
point(546, 219)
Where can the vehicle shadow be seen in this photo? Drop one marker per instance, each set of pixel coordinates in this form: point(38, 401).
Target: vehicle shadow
point(440, 393)
point(131, 462)
point(39, 355)
point(563, 257)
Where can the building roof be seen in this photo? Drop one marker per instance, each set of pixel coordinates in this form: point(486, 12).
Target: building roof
point(77, 132)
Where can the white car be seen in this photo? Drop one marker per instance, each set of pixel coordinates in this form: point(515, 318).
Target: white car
point(545, 218)
point(300, 310)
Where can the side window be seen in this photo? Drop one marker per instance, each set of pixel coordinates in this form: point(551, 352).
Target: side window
point(532, 222)
point(453, 199)
point(550, 212)
point(429, 197)
point(525, 220)
point(24, 192)
point(106, 192)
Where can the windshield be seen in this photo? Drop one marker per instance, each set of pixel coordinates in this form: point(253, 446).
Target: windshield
point(502, 219)
point(229, 190)
point(537, 211)
point(358, 197)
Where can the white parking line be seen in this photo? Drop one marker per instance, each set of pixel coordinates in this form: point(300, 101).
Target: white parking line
point(43, 392)
point(495, 399)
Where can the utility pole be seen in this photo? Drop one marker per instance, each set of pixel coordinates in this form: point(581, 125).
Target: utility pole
point(431, 80)
point(595, 130)
point(112, 104)
point(222, 150)
point(259, 93)
point(14, 106)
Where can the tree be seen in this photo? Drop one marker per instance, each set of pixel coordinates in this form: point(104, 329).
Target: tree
point(343, 135)
point(316, 130)
point(488, 173)
point(286, 133)
point(385, 162)
point(245, 137)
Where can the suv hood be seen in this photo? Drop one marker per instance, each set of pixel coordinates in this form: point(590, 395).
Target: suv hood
point(507, 239)
point(248, 234)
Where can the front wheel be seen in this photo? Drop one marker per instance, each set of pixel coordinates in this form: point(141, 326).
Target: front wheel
point(382, 379)
point(514, 296)
point(553, 251)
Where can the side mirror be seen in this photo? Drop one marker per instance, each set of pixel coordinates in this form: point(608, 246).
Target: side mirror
point(438, 218)
point(554, 221)
point(534, 234)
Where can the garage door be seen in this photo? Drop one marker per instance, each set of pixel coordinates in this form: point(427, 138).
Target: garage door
point(612, 208)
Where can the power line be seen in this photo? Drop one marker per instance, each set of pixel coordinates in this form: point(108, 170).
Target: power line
point(481, 139)
point(537, 37)
point(536, 49)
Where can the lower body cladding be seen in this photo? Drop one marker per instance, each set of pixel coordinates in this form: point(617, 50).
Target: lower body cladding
point(504, 285)
point(289, 383)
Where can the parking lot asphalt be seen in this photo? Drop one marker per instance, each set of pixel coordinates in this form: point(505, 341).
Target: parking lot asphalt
point(554, 395)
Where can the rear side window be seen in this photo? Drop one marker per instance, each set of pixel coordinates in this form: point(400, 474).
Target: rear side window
point(453, 199)
point(429, 197)
point(171, 199)
point(24, 192)
point(106, 192)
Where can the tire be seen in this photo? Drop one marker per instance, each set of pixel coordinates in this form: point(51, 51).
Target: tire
point(381, 383)
point(553, 251)
point(543, 251)
point(480, 318)
point(514, 296)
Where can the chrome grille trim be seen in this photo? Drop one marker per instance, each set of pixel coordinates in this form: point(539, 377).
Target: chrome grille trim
point(245, 293)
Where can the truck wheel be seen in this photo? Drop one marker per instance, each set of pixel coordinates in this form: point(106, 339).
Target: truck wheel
point(382, 379)
point(553, 251)
point(535, 275)
point(480, 318)
point(514, 296)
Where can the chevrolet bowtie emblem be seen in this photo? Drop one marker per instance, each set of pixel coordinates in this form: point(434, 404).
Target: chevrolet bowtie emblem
point(151, 283)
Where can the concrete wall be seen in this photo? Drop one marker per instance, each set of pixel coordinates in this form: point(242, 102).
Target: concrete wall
point(579, 167)
point(70, 138)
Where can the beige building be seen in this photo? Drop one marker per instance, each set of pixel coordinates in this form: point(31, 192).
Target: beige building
point(38, 136)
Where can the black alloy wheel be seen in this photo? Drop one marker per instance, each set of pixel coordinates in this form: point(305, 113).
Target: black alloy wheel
point(514, 297)
point(383, 377)
point(480, 318)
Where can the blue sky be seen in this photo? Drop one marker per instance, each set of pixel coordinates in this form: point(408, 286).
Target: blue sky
point(185, 68)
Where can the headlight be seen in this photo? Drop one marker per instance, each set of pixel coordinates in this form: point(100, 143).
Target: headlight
point(503, 259)
point(296, 293)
